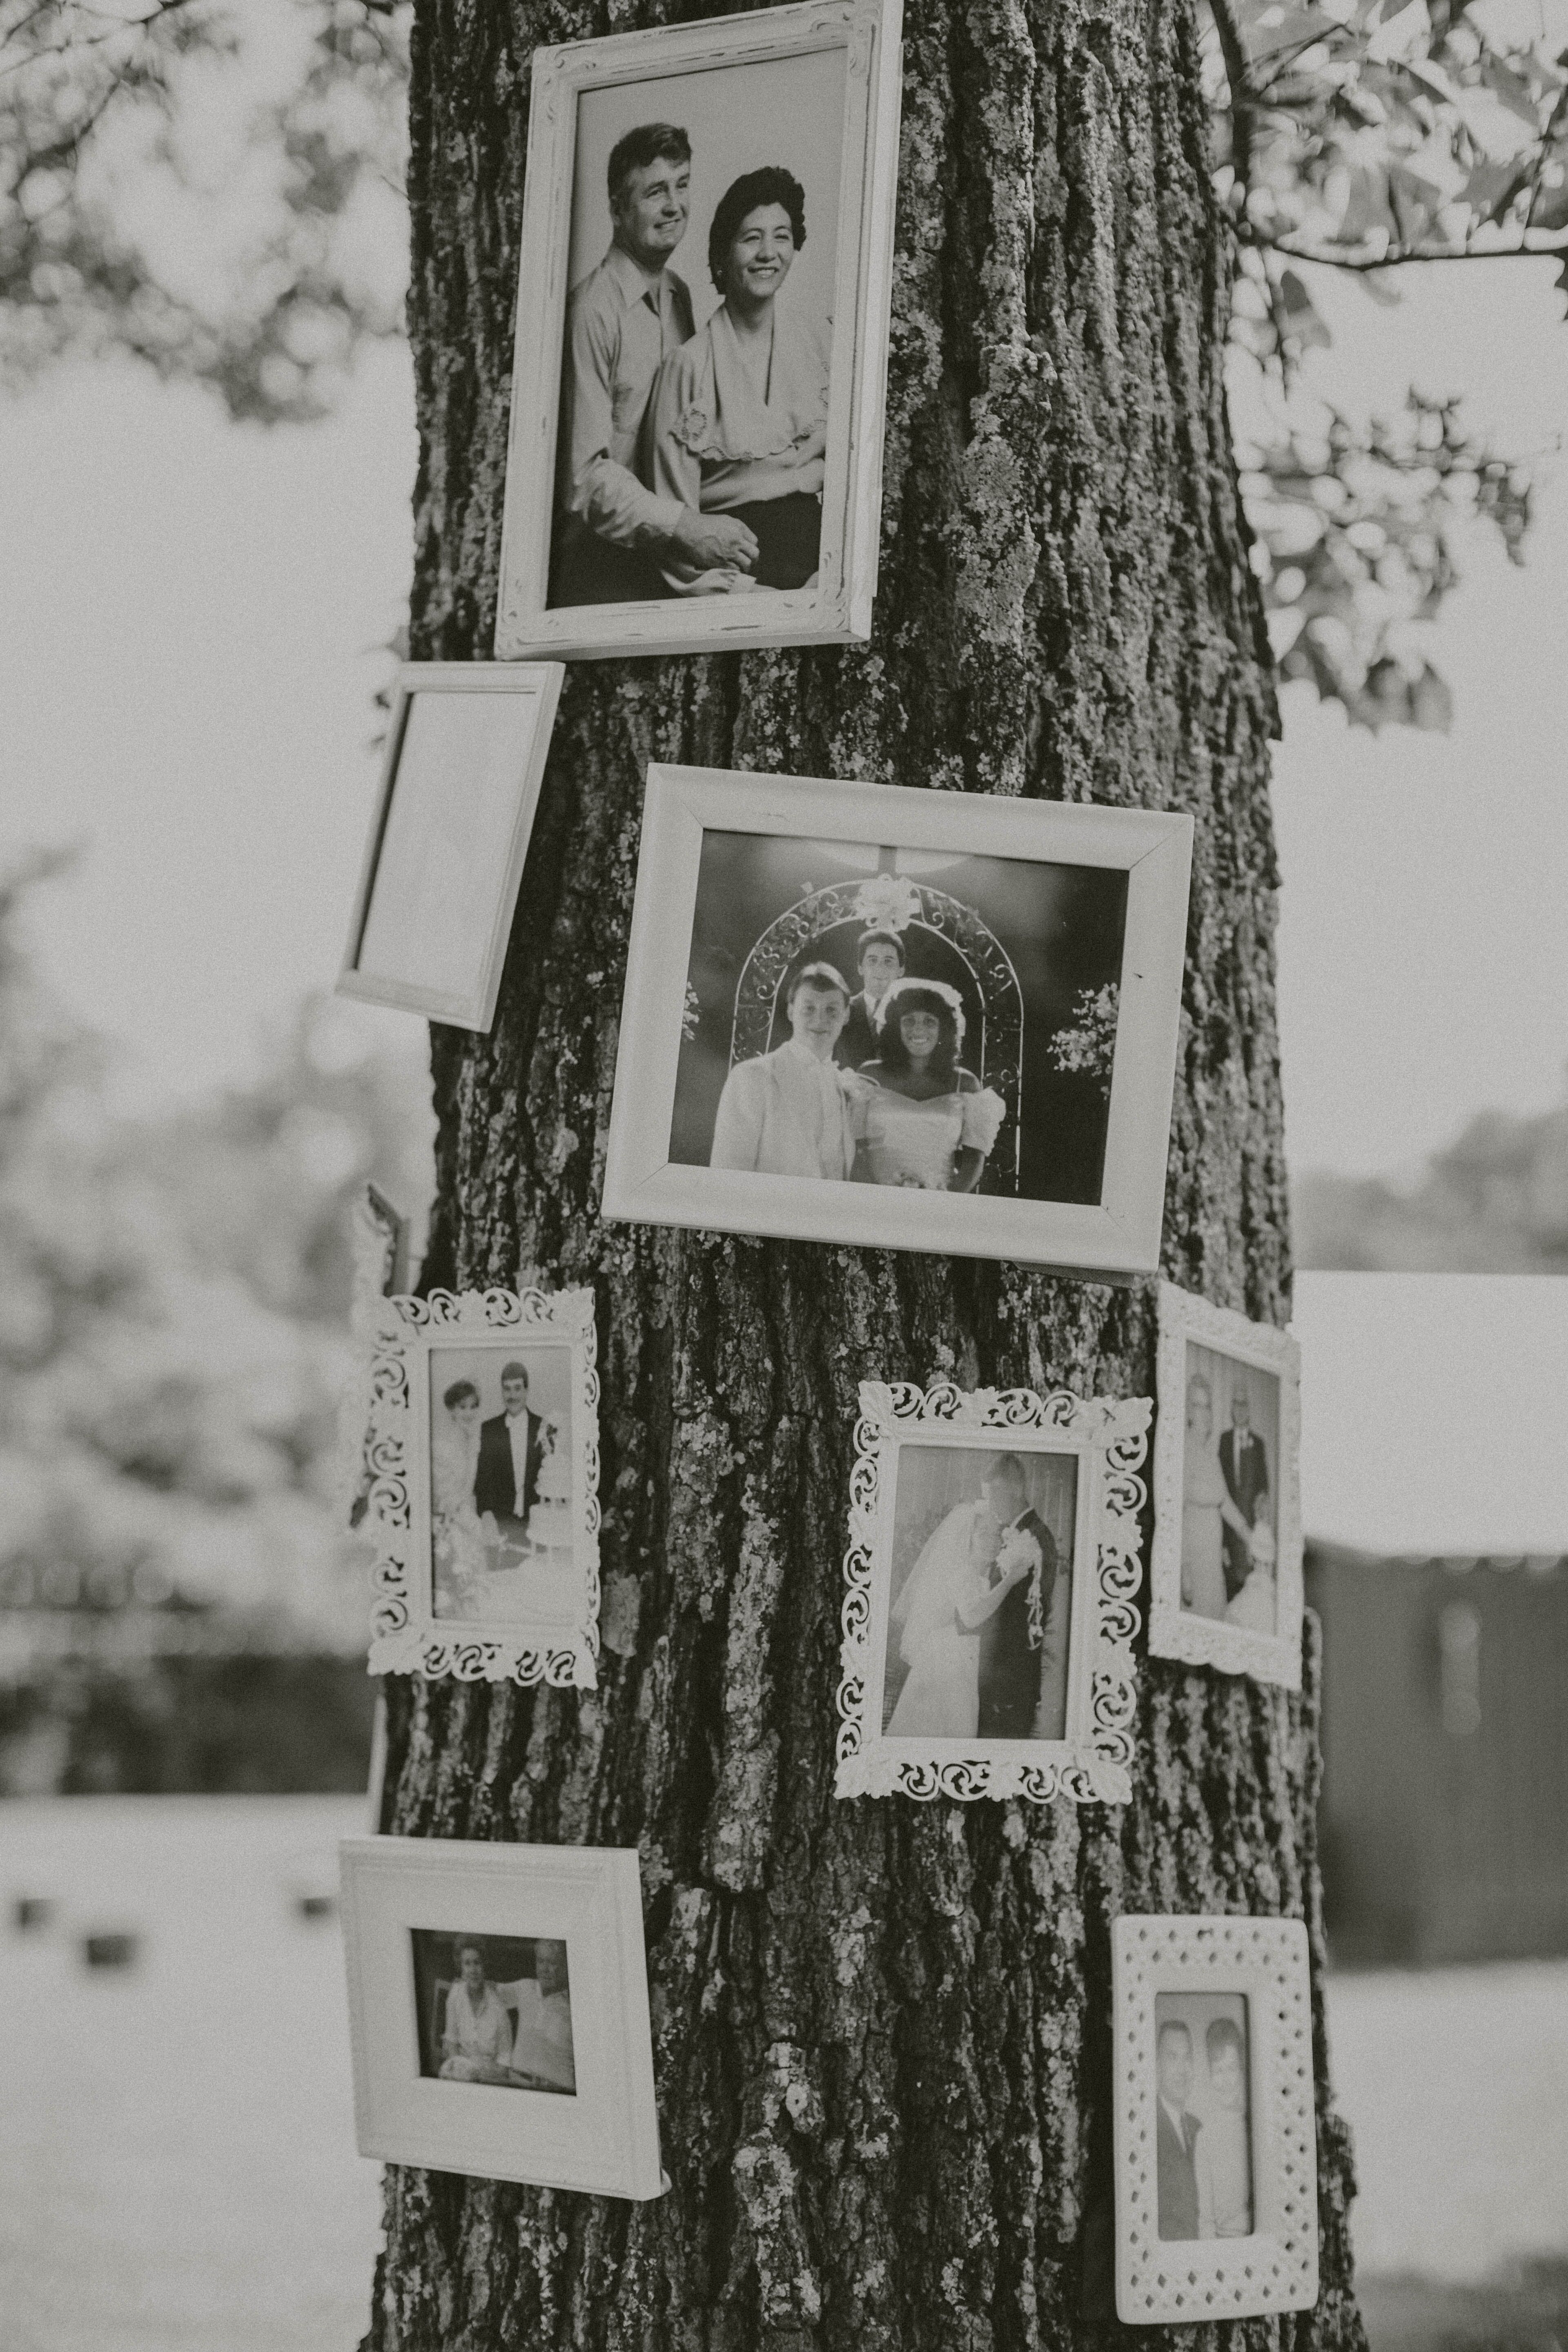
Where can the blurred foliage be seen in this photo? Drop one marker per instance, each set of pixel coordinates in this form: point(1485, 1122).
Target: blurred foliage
point(1494, 1202)
point(218, 189)
point(174, 1296)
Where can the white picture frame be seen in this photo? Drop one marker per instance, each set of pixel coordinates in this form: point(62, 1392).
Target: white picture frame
point(1106, 1440)
point(601, 2137)
point(553, 1635)
point(1110, 1238)
point(837, 609)
point(467, 744)
point(1156, 1961)
point(1175, 1629)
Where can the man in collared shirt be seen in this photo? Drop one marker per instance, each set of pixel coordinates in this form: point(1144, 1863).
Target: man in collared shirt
point(788, 1112)
point(512, 1449)
point(1175, 2132)
point(614, 535)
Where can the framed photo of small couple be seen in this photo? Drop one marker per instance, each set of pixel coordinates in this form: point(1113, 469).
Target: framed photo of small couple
point(910, 1019)
point(994, 1550)
point(695, 459)
point(1226, 1564)
point(499, 2012)
point(484, 1453)
point(1215, 2127)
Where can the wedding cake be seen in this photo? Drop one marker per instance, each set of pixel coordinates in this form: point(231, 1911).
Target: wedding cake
point(550, 1521)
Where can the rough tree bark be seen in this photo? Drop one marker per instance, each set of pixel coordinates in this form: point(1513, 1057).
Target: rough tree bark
point(881, 2028)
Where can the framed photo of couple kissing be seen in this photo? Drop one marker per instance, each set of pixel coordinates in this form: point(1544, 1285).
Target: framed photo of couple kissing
point(1226, 1585)
point(988, 1620)
point(1214, 2119)
point(700, 377)
point(484, 1501)
point(911, 1020)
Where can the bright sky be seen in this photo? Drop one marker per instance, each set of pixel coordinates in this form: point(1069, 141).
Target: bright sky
point(191, 611)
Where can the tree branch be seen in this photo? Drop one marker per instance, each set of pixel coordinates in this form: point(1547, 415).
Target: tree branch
point(1554, 247)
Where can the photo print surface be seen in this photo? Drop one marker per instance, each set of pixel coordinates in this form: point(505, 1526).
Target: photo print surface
point(1230, 1490)
point(905, 1018)
point(502, 1518)
point(1202, 2115)
point(980, 1593)
point(697, 369)
point(494, 2009)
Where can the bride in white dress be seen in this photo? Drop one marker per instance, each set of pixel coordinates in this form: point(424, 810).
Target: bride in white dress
point(457, 1529)
point(921, 1118)
point(936, 1621)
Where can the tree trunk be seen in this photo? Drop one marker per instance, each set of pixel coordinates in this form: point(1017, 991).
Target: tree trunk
point(881, 2028)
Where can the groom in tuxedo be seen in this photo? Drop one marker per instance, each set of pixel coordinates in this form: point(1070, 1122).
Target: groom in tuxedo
point(1175, 2133)
point(1015, 1640)
point(1244, 1459)
point(506, 1483)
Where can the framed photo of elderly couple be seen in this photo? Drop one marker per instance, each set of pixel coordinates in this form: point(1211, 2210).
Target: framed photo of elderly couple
point(1226, 1585)
point(483, 1451)
point(908, 1019)
point(697, 392)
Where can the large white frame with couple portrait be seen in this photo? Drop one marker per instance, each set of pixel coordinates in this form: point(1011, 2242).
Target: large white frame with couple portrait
point(1178, 1632)
point(860, 154)
point(1188, 2280)
point(466, 749)
point(1119, 1233)
point(557, 1643)
point(1107, 1441)
point(601, 2138)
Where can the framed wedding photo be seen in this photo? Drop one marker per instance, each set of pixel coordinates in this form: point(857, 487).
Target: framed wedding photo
point(1214, 2133)
point(499, 2012)
point(700, 379)
point(1226, 1562)
point(993, 1550)
point(465, 759)
point(910, 1019)
point(484, 1500)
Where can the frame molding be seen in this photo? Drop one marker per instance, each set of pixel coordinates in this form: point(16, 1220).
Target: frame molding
point(1094, 1763)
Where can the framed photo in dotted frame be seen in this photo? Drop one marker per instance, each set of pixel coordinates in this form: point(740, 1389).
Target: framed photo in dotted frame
point(1217, 2173)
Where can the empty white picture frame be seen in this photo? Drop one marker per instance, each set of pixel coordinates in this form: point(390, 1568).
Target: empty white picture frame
point(1214, 2123)
point(465, 758)
point(561, 2091)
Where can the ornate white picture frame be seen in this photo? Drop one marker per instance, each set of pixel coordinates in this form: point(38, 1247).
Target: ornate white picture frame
point(466, 749)
point(590, 2125)
point(1093, 1449)
point(737, 84)
point(1164, 1970)
point(460, 1588)
point(745, 881)
point(1268, 1362)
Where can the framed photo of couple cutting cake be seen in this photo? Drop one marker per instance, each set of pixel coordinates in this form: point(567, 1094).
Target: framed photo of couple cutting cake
point(699, 382)
point(1226, 1562)
point(484, 1451)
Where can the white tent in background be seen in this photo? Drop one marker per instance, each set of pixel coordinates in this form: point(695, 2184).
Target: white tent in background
point(1434, 1412)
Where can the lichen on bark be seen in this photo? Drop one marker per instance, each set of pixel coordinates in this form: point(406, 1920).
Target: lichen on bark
point(881, 2029)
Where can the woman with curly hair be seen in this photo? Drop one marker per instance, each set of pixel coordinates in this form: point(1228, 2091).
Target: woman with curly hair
point(738, 421)
point(924, 1121)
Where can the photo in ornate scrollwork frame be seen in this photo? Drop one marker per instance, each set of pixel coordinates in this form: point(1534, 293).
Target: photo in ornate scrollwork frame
point(910, 1019)
point(1213, 2120)
point(995, 1545)
point(483, 1501)
point(1225, 1563)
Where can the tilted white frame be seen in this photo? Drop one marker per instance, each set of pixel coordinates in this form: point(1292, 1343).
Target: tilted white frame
point(604, 2139)
point(1175, 1631)
point(838, 610)
point(1161, 2281)
point(407, 1638)
point(1092, 1763)
point(534, 683)
point(1120, 1236)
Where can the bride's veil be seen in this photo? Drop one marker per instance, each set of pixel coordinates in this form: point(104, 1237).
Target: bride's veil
point(935, 1584)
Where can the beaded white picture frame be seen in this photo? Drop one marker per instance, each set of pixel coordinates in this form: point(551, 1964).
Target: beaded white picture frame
point(1193, 1335)
point(1090, 1450)
point(1171, 1964)
point(462, 1589)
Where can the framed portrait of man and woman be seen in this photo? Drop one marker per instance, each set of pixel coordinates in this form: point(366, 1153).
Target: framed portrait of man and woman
point(702, 325)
